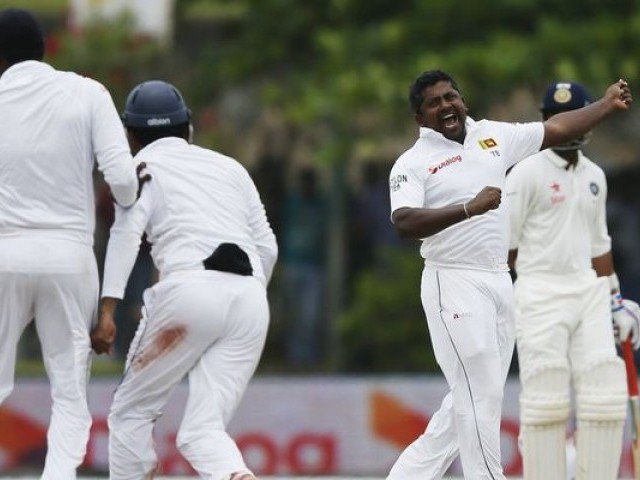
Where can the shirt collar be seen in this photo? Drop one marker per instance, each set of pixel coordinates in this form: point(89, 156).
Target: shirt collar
point(560, 162)
point(164, 141)
point(25, 68)
point(430, 134)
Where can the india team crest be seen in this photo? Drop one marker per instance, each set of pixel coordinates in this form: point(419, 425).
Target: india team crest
point(562, 94)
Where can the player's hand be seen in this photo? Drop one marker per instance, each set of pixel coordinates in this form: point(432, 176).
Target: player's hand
point(626, 320)
point(142, 176)
point(619, 94)
point(103, 335)
point(489, 198)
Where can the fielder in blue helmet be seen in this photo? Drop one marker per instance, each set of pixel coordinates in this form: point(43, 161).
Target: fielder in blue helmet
point(154, 110)
point(562, 97)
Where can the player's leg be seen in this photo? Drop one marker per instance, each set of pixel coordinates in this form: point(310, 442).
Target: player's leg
point(433, 451)
point(543, 326)
point(217, 383)
point(601, 391)
point(183, 318)
point(65, 309)
point(431, 454)
point(15, 313)
point(462, 322)
point(474, 364)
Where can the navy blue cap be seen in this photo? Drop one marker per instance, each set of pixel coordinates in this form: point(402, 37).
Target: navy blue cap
point(562, 96)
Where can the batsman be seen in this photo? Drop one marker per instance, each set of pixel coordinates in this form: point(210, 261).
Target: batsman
point(569, 310)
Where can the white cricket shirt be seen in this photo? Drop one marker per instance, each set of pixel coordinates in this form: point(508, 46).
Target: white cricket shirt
point(558, 215)
point(437, 172)
point(196, 200)
point(52, 124)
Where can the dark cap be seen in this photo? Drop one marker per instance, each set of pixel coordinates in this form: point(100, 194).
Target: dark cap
point(21, 36)
point(563, 96)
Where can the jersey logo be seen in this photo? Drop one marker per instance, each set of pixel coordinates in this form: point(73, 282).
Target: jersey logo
point(446, 163)
point(593, 186)
point(556, 194)
point(487, 143)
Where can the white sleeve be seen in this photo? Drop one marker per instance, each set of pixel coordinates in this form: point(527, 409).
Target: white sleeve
point(263, 237)
point(600, 239)
point(111, 148)
point(521, 140)
point(406, 188)
point(519, 190)
point(124, 242)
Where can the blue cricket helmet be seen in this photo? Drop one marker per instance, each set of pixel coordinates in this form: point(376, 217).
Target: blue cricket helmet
point(563, 96)
point(155, 104)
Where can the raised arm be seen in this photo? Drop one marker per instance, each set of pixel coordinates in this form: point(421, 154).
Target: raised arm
point(567, 126)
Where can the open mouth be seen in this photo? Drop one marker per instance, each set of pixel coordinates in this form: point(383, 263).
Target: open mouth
point(449, 121)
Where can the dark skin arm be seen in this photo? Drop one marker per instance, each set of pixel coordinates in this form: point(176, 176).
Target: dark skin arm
point(603, 265)
point(420, 223)
point(104, 333)
point(511, 260)
point(567, 126)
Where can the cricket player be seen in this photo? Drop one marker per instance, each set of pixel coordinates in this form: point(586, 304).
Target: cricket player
point(565, 290)
point(207, 317)
point(53, 125)
point(446, 191)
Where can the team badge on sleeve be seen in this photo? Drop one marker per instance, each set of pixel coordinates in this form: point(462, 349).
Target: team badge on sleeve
point(487, 143)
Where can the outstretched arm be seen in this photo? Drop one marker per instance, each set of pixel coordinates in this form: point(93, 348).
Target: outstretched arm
point(567, 126)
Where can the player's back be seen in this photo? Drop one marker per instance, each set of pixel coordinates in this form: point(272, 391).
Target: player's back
point(47, 151)
point(201, 199)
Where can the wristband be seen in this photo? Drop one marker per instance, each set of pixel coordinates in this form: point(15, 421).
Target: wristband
point(466, 212)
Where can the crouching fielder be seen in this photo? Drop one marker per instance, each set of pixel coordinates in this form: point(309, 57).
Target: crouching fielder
point(207, 316)
point(565, 291)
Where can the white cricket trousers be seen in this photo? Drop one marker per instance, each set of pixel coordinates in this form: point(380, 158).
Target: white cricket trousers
point(470, 315)
point(210, 326)
point(56, 282)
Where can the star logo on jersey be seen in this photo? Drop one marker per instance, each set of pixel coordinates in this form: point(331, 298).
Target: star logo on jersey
point(556, 195)
point(487, 143)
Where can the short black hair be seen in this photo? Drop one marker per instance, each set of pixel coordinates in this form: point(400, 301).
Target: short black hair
point(145, 136)
point(427, 79)
point(21, 36)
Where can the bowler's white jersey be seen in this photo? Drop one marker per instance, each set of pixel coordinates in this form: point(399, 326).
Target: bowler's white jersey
point(437, 172)
point(52, 124)
point(196, 200)
point(565, 213)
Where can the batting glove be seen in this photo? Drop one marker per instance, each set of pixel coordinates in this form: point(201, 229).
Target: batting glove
point(626, 319)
